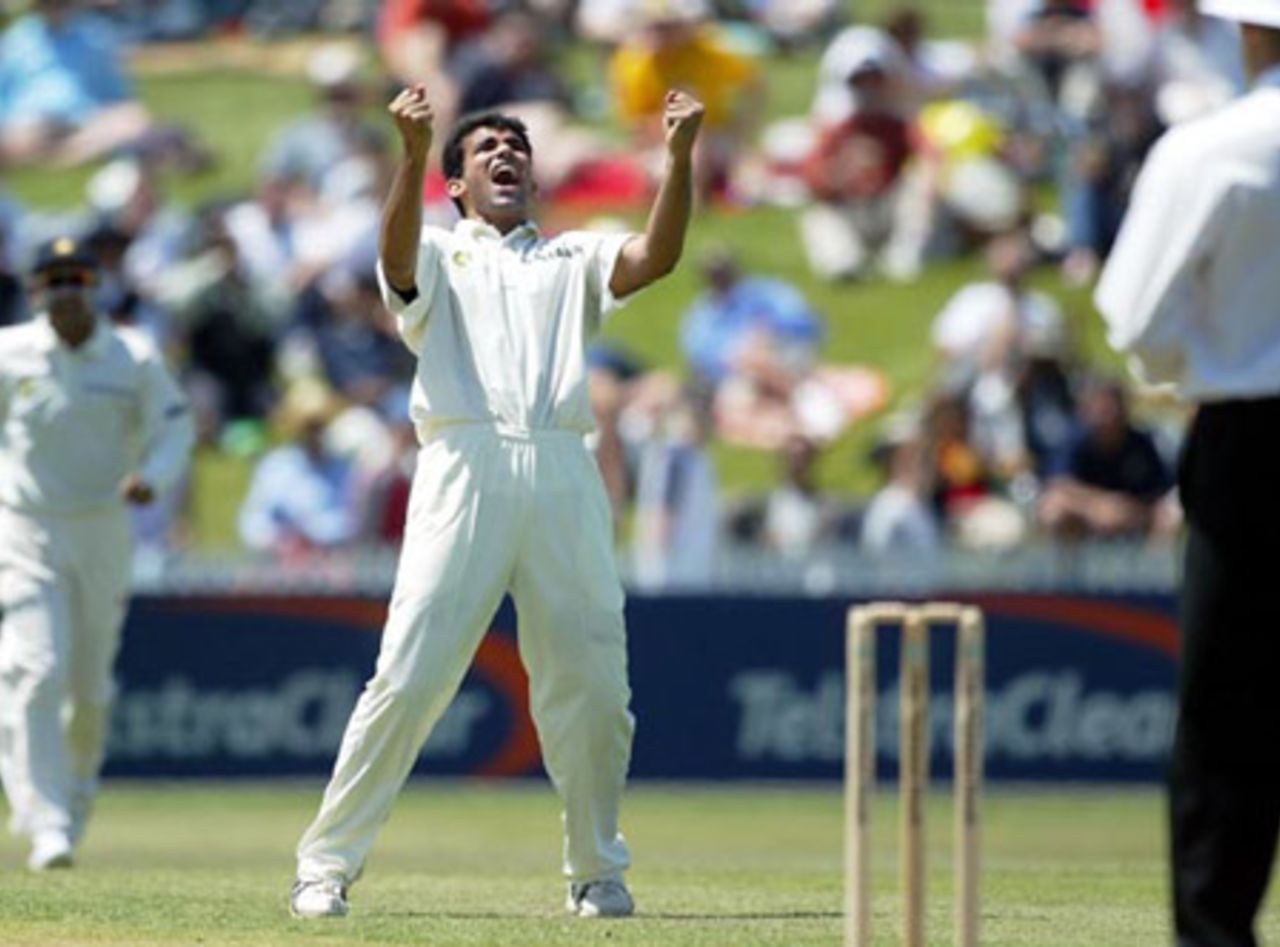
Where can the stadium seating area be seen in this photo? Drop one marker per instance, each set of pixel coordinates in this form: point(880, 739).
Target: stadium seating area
point(880, 340)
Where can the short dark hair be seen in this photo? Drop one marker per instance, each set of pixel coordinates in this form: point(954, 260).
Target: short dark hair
point(452, 157)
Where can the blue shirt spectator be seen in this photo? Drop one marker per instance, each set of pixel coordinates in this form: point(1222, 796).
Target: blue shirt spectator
point(310, 148)
point(301, 497)
point(736, 309)
point(61, 72)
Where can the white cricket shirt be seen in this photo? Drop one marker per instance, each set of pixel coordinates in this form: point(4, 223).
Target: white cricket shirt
point(1192, 288)
point(500, 325)
point(75, 422)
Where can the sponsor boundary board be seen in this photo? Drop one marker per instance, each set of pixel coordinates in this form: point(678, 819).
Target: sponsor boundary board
point(1078, 688)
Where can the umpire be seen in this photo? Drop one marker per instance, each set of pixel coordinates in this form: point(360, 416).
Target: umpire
point(1192, 293)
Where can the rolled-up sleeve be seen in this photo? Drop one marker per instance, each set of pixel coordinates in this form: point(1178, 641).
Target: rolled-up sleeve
point(413, 312)
point(604, 252)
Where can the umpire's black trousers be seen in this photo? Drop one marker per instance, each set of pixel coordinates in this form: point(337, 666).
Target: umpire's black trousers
point(1225, 774)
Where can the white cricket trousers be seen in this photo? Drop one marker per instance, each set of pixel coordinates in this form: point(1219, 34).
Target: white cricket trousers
point(64, 584)
point(493, 511)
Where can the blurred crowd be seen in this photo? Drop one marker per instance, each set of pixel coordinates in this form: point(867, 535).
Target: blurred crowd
point(1018, 149)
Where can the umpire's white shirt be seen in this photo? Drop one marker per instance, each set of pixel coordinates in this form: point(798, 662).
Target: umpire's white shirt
point(75, 422)
point(500, 325)
point(1192, 288)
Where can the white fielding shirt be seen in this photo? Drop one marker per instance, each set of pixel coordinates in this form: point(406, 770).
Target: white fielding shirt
point(75, 422)
point(1192, 288)
point(500, 325)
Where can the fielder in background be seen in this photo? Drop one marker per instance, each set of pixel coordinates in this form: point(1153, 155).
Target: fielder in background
point(1192, 291)
point(506, 498)
point(90, 420)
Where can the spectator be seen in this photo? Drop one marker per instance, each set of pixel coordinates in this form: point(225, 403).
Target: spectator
point(356, 341)
point(1110, 480)
point(1005, 22)
point(958, 473)
point(506, 65)
point(982, 322)
point(835, 99)
point(606, 22)
point(264, 229)
point(797, 515)
point(1046, 402)
point(931, 69)
point(1198, 63)
point(613, 375)
point(677, 506)
point(416, 38)
point(675, 48)
point(1101, 169)
point(125, 195)
point(753, 342)
point(508, 68)
point(118, 298)
point(899, 518)
point(966, 184)
point(229, 320)
point(1005, 344)
point(737, 313)
point(301, 498)
point(309, 148)
point(791, 23)
point(1060, 41)
point(917, 69)
point(855, 173)
point(385, 489)
point(66, 98)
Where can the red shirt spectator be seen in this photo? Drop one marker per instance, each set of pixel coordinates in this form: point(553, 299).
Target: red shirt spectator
point(461, 19)
point(862, 157)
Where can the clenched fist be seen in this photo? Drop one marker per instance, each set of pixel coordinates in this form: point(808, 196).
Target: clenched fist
point(413, 118)
point(681, 118)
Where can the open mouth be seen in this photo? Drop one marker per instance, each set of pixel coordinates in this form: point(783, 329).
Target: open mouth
point(505, 175)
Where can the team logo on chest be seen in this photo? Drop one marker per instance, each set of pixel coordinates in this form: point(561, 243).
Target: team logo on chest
point(461, 259)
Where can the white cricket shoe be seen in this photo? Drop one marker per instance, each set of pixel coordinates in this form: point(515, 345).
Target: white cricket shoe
point(600, 899)
point(325, 898)
point(50, 850)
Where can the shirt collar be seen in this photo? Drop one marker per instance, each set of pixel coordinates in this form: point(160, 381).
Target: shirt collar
point(1270, 79)
point(478, 230)
point(92, 348)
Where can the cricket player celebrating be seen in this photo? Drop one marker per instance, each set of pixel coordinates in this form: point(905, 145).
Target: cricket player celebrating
point(506, 496)
point(90, 420)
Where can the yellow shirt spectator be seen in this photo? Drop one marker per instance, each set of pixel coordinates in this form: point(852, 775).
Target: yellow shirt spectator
point(697, 62)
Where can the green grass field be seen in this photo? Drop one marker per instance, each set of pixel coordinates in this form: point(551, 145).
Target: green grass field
point(476, 864)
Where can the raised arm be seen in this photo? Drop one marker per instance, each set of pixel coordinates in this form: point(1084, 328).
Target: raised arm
point(654, 253)
point(402, 215)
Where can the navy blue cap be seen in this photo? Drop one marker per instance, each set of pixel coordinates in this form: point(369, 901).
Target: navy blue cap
point(63, 251)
